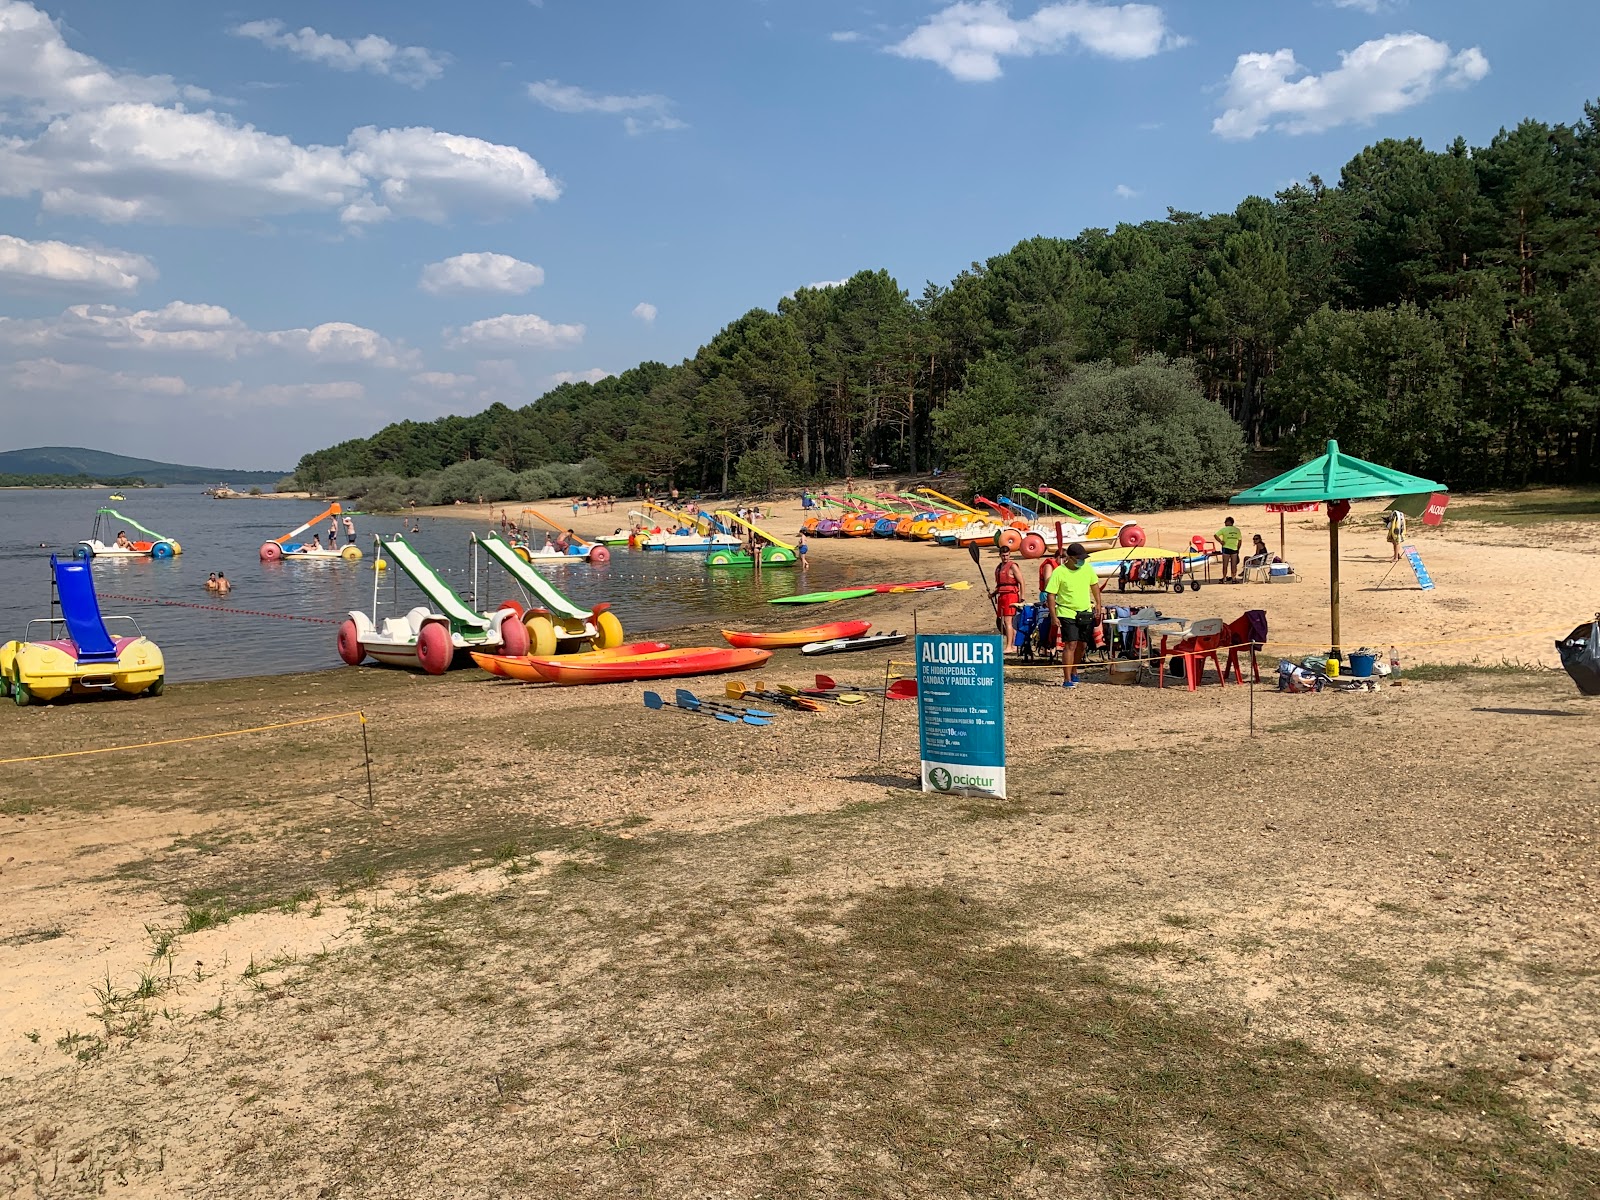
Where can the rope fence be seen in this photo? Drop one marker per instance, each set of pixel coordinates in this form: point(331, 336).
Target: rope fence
point(198, 737)
point(222, 608)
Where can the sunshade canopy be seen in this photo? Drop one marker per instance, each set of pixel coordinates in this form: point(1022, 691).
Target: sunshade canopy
point(1335, 476)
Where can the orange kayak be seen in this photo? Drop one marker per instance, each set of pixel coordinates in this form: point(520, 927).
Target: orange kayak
point(668, 664)
point(519, 667)
point(797, 637)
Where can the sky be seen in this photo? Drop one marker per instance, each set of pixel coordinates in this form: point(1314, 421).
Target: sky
point(233, 235)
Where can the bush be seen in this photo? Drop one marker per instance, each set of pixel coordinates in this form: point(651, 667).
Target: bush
point(1135, 439)
point(761, 470)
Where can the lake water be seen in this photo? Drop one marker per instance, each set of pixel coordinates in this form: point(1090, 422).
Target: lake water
point(227, 637)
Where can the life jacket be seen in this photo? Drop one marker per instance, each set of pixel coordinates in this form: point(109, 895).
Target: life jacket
point(1012, 582)
point(1046, 565)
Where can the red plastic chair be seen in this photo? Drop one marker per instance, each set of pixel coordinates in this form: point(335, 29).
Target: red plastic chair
point(1195, 650)
point(1201, 544)
point(1245, 636)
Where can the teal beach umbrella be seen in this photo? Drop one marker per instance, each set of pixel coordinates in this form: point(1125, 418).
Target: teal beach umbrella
point(1327, 479)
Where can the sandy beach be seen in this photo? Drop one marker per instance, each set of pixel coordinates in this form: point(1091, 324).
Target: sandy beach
point(569, 946)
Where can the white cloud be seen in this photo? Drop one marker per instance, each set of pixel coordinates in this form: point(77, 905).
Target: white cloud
point(422, 172)
point(115, 147)
point(37, 66)
point(645, 311)
point(143, 162)
point(592, 375)
point(844, 35)
point(641, 114)
point(443, 380)
point(48, 375)
point(407, 64)
point(202, 329)
point(34, 264)
point(1366, 6)
point(1123, 191)
point(481, 272)
point(1385, 75)
point(969, 39)
point(514, 331)
point(343, 343)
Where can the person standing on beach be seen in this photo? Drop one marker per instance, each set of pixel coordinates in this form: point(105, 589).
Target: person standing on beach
point(1395, 530)
point(1072, 595)
point(1228, 539)
point(1007, 591)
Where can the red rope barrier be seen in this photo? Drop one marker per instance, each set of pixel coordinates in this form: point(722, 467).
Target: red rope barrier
point(243, 612)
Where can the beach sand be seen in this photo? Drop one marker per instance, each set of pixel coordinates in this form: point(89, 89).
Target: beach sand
point(574, 947)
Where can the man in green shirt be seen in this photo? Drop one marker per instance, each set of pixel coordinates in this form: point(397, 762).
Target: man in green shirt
point(1228, 539)
point(1072, 594)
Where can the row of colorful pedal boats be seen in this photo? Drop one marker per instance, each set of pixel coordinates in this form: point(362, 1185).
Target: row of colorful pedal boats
point(1030, 525)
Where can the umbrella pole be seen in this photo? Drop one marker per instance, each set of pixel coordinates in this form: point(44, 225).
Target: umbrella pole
point(1333, 579)
point(1282, 553)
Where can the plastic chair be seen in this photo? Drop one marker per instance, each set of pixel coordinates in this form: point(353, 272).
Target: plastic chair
point(1201, 544)
point(1205, 639)
point(1245, 635)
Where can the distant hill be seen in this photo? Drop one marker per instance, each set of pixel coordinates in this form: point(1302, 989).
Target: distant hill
point(100, 465)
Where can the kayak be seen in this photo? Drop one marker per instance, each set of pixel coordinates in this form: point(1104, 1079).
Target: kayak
point(669, 664)
point(797, 637)
point(865, 642)
point(518, 666)
point(824, 597)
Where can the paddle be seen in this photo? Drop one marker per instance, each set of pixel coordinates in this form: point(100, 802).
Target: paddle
point(900, 689)
point(737, 691)
point(960, 585)
point(686, 697)
point(653, 700)
point(977, 561)
point(841, 697)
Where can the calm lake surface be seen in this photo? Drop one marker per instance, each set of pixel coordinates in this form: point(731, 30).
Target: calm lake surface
point(226, 638)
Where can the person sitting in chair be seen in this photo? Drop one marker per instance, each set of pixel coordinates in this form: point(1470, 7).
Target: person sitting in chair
point(1260, 556)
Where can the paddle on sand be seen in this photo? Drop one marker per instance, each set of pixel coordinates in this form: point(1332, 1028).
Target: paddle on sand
point(960, 585)
point(654, 700)
point(841, 697)
point(900, 689)
point(688, 698)
point(737, 691)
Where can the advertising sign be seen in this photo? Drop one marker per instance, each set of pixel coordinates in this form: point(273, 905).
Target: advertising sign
point(1306, 506)
point(1434, 513)
point(961, 713)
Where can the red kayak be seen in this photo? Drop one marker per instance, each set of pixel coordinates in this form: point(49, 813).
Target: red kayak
point(797, 637)
point(668, 664)
point(520, 666)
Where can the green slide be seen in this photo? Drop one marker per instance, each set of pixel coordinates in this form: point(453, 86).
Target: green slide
point(506, 555)
point(462, 619)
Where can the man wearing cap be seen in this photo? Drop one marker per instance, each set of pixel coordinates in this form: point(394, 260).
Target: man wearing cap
point(1073, 596)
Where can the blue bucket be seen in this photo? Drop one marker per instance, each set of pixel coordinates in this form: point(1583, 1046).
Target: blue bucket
point(1361, 664)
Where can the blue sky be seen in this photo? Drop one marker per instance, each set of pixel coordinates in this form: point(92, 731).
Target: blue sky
point(231, 235)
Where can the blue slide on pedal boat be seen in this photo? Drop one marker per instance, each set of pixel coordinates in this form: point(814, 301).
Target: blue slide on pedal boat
point(75, 652)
